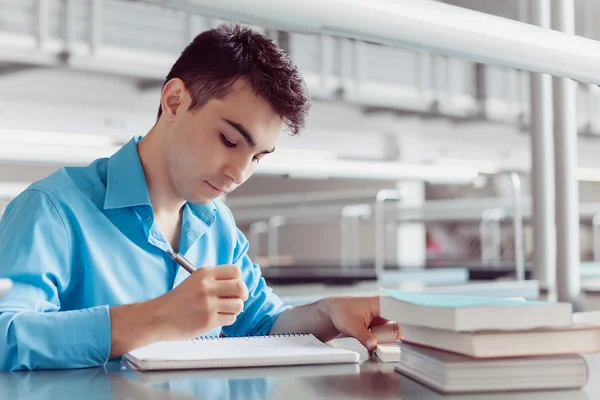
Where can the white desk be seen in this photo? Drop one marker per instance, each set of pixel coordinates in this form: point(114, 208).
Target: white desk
point(369, 380)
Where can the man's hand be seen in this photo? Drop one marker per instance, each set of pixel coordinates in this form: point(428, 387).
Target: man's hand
point(353, 316)
point(209, 298)
point(327, 318)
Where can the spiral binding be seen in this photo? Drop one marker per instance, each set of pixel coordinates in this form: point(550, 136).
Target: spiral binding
point(204, 338)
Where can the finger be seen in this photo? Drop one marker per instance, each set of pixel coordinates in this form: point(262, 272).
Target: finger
point(226, 319)
point(224, 272)
point(364, 336)
point(232, 288)
point(379, 321)
point(230, 306)
point(386, 333)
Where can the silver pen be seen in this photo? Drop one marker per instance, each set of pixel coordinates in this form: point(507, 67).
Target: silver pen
point(181, 260)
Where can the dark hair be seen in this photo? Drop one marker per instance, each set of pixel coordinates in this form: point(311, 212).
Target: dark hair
point(216, 58)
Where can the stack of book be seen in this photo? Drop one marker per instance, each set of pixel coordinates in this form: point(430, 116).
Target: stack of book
point(461, 344)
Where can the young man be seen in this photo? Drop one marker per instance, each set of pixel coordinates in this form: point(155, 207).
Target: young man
point(87, 247)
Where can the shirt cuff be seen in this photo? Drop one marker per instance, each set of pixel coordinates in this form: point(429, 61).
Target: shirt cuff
point(67, 339)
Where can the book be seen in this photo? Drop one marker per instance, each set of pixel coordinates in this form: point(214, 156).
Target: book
point(469, 313)
point(244, 351)
point(387, 352)
point(577, 338)
point(587, 317)
point(453, 373)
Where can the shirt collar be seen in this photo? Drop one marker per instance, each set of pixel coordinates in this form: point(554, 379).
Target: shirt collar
point(125, 181)
point(205, 212)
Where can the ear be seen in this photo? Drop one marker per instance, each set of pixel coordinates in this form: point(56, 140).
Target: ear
point(173, 98)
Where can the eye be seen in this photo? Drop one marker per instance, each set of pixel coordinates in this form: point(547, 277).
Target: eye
point(226, 142)
point(256, 159)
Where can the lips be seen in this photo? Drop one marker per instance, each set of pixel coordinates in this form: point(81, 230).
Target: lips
point(216, 188)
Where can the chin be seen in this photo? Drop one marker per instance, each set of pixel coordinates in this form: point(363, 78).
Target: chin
point(201, 200)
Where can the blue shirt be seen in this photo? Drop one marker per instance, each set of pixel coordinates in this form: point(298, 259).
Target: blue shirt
point(83, 240)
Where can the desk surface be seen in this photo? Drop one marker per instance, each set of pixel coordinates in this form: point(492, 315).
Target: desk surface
point(368, 380)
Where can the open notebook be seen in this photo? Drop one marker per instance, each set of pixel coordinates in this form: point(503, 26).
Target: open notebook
point(247, 351)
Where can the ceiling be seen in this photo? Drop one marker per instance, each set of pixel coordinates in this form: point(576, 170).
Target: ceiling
point(587, 12)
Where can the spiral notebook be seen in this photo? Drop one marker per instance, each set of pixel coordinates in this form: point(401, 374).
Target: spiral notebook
point(245, 351)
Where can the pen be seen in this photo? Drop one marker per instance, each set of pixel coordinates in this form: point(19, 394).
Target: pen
point(181, 260)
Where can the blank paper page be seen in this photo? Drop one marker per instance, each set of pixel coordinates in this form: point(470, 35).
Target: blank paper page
point(240, 351)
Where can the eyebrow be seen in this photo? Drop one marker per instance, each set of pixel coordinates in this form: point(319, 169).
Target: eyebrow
point(246, 135)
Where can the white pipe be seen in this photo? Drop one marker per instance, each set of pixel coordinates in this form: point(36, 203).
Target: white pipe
point(457, 210)
point(380, 236)
point(519, 242)
point(344, 243)
point(96, 23)
point(591, 94)
point(42, 22)
point(273, 235)
point(313, 214)
point(254, 231)
point(490, 236)
point(423, 73)
point(421, 25)
point(350, 233)
point(596, 236)
point(295, 198)
point(377, 170)
point(70, 23)
point(568, 258)
point(542, 165)
point(432, 210)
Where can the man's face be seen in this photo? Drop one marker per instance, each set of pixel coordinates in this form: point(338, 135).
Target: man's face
point(215, 149)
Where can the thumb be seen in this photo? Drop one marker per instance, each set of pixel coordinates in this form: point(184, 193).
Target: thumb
point(366, 338)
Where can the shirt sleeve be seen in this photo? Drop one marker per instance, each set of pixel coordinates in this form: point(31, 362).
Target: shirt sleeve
point(35, 255)
point(263, 306)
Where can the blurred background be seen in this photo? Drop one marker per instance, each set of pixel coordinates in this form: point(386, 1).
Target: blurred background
point(414, 170)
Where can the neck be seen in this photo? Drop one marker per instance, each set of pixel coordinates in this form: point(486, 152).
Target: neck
point(164, 197)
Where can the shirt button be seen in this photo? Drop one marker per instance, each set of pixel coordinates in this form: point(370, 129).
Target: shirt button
point(190, 233)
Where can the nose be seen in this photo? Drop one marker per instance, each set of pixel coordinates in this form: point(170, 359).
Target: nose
point(238, 169)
